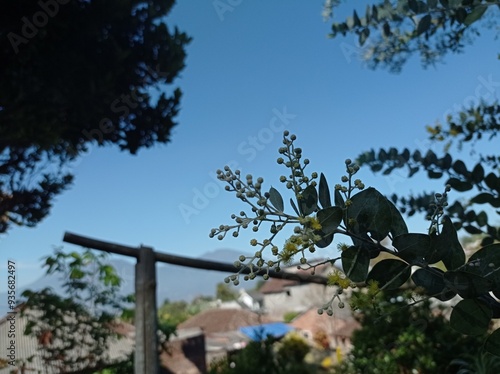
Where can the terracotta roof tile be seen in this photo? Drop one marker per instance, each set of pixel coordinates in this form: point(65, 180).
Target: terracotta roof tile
point(221, 320)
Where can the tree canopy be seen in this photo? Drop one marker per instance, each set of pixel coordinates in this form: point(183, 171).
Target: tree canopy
point(76, 73)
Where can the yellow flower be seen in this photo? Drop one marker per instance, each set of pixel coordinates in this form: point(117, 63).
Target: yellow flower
point(337, 279)
point(314, 223)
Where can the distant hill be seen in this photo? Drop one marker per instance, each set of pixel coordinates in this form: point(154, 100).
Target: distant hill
point(173, 282)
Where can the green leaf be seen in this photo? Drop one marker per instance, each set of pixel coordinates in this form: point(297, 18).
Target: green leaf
point(324, 192)
point(486, 262)
point(339, 200)
point(413, 248)
point(276, 199)
point(482, 198)
point(390, 274)
point(432, 280)
point(371, 212)
point(492, 343)
point(476, 13)
point(458, 185)
point(355, 262)
point(460, 168)
point(471, 317)
point(294, 207)
point(446, 247)
point(467, 285)
point(308, 203)
point(398, 224)
point(424, 24)
point(478, 173)
point(330, 219)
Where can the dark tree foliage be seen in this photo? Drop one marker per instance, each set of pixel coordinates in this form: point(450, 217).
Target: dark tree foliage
point(393, 30)
point(75, 73)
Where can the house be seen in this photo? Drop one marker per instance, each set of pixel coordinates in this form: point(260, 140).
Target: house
point(335, 330)
point(280, 296)
point(221, 327)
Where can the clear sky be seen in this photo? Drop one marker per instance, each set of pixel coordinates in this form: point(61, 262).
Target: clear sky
point(253, 71)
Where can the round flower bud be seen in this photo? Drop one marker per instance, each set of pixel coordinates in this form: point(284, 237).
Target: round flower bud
point(226, 280)
point(293, 137)
point(341, 305)
point(320, 311)
point(236, 282)
point(348, 161)
point(329, 312)
point(280, 160)
point(226, 168)
point(220, 237)
point(265, 277)
point(237, 264)
point(286, 133)
point(303, 260)
point(235, 234)
point(282, 178)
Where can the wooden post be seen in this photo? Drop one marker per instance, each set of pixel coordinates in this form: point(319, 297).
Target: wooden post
point(146, 338)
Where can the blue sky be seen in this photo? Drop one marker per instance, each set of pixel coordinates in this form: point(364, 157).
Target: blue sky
point(252, 72)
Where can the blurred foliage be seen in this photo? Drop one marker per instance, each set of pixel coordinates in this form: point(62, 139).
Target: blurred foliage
point(268, 356)
point(390, 31)
point(74, 330)
point(401, 336)
point(225, 293)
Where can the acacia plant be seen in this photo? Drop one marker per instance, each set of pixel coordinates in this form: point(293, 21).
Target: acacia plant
point(434, 261)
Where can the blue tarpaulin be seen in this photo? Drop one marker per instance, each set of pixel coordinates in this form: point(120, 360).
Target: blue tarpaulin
point(262, 332)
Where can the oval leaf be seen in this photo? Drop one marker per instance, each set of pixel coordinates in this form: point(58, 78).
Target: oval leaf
point(431, 279)
point(424, 24)
point(486, 261)
point(471, 317)
point(466, 284)
point(276, 199)
point(371, 212)
point(413, 248)
point(446, 246)
point(475, 14)
point(390, 274)
point(492, 343)
point(355, 263)
point(308, 203)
